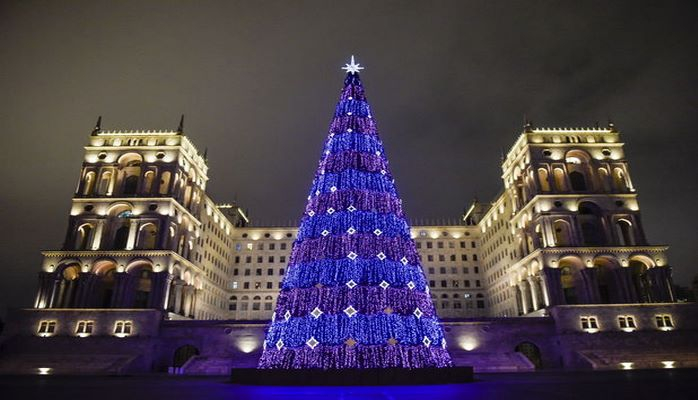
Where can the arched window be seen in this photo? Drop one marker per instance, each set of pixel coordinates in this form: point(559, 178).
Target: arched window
point(577, 181)
point(619, 180)
point(560, 183)
point(106, 285)
point(165, 178)
point(121, 237)
point(130, 165)
point(233, 303)
point(256, 303)
point(563, 234)
point(590, 221)
point(148, 184)
point(143, 286)
point(106, 184)
point(625, 232)
point(543, 179)
point(66, 289)
point(83, 237)
point(147, 236)
point(605, 182)
point(88, 184)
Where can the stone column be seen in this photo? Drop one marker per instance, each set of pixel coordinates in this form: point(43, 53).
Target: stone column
point(590, 286)
point(524, 298)
point(177, 296)
point(553, 286)
point(160, 284)
point(188, 291)
point(45, 290)
point(535, 296)
point(661, 288)
point(624, 286)
point(97, 238)
point(86, 290)
point(132, 232)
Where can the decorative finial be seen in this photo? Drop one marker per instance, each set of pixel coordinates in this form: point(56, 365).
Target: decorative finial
point(180, 128)
point(353, 67)
point(528, 124)
point(611, 125)
point(98, 125)
point(206, 154)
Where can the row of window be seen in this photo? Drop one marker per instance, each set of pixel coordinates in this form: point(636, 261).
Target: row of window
point(455, 283)
point(453, 270)
point(626, 323)
point(451, 245)
point(258, 272)
point(452, 257)
point(257, 285)
point(84, 328)
point(260, 259)
point(260, 246)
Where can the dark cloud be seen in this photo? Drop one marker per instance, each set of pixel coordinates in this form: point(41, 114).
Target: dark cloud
point(449, 83)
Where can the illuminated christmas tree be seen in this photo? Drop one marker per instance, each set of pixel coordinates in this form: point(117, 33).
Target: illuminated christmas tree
point(354, 295)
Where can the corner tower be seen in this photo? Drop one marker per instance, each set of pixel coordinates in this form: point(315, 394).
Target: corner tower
point(133, 226)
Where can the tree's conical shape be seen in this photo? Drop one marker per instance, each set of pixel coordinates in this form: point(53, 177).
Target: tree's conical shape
point(354, 295)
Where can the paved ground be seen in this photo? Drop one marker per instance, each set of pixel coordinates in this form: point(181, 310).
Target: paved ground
point(615, 385)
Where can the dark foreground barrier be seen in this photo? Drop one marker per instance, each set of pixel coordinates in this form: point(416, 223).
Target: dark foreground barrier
point(351, 377)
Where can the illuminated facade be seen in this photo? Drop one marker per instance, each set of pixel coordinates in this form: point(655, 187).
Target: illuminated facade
point(567, 229)
point(142, 233)
point(448, 254)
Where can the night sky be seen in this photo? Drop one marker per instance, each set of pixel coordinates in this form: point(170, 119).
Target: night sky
point(449, 83)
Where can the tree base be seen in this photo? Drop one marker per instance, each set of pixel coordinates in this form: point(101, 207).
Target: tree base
point(351, 377)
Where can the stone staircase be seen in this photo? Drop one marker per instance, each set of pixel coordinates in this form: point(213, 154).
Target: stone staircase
point(207, 365)
point(494, 362)
point(641, 359)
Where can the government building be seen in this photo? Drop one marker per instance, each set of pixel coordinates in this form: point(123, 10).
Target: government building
point(155, 276)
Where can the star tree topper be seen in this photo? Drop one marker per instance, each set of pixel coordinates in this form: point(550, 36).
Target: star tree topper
point(353, 67)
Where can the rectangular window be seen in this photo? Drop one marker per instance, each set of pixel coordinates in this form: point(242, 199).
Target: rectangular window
point(267, 306)
point(260, 259)
point(451, 245)
point(431, 270)
point(466, 270)
point(453, 257)
point(237, 259)
point(477, 283)
point(430, 245)
point(440, 245)
point(476, 270)
point(260, 246)
point(474, 257)
point(246, 285)
point(84, 328)
point(627, 323)
point(282, 246)
point(232, 307)
point(257, 285)
point(455, 283)
point(466, 283)
point(282, 259)
point(481, 304)
point(444, 304)
point(235, 285)
point(236, 271)
point(272, 246)
point(270, 259)
point(282, 271)
point(269, 285)
point(454, 270)
point(472, 244)
point(47, 328)
point(270, 271)
point(589, 324)
point(243, 306)
point(457, 305)
point(462, 245)
point(664, 322)
point(430, 258)
point(248, 259)
point(442, 270)
point(258, 272)
point(432, 283)
point(464, 257)
point(419, 245)
point(443, 283)
point(442, 257)
point(123, 328)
